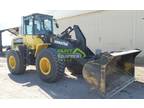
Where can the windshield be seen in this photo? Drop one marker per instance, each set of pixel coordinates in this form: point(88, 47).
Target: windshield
point(43, 26)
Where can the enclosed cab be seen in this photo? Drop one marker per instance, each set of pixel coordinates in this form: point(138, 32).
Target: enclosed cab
point(37, 24)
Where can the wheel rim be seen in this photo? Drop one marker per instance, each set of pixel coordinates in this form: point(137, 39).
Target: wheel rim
point(12, 62)
point(45, 66)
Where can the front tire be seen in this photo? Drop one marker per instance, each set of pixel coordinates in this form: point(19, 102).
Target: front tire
point(48, 66)
point(15, 62)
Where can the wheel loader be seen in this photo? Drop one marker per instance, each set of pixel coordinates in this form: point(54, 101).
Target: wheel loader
point(108, 72)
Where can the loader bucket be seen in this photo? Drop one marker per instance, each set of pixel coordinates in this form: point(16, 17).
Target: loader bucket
point(112, 72)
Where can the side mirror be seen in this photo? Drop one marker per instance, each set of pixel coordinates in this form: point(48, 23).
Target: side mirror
point(56, 24)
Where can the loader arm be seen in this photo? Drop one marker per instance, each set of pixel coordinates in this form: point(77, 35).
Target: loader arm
point(80, 37)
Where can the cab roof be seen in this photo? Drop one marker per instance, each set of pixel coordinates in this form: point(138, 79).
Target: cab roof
point(38, 14)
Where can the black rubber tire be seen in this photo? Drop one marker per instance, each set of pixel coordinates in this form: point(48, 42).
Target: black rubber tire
point(74, 67)
point(20, 66)
point(57, 65)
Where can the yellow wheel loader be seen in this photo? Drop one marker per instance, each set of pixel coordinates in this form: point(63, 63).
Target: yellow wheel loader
point(50, 53)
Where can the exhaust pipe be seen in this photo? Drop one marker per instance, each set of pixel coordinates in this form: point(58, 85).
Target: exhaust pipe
point(112, 72)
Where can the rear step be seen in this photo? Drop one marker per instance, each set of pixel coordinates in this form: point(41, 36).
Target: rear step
point(112, 72)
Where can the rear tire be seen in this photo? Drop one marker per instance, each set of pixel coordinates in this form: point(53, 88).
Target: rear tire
point(48, 66)
point(15, 62)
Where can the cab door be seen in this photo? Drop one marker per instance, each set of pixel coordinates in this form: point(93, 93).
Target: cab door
point(30, 39)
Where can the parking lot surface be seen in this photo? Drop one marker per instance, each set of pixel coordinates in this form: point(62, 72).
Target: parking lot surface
point(29, 85)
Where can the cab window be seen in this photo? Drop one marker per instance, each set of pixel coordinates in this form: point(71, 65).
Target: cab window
point(29, 25)
point(47, 25)
point(37, 26)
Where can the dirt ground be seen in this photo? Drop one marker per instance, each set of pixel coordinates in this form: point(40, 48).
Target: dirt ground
point(29, 85)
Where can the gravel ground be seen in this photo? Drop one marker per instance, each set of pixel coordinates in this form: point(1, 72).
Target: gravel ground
point(71, 87)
